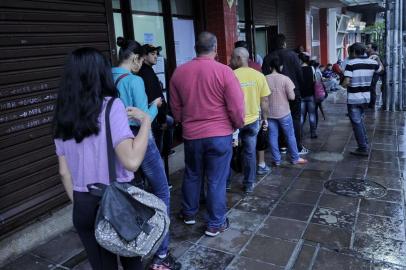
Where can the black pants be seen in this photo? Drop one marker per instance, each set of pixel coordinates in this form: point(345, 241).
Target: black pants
point(295, 108)
point(374, 82)
point(84, 214)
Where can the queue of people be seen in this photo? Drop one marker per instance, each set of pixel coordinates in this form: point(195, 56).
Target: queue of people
point(211, 101)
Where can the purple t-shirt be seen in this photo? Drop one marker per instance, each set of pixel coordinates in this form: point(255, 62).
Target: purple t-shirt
point(87, 161)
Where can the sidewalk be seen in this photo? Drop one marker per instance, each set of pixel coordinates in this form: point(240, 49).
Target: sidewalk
point(291, 221)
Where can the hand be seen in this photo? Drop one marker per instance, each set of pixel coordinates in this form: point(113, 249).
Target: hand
point(136, 114)
point(264, 125)
point(158, 102)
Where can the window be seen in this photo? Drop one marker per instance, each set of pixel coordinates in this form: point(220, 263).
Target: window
point(147, 5)
point(182, 7)
point(118, 27)
point(116, 4)
point(150, 29)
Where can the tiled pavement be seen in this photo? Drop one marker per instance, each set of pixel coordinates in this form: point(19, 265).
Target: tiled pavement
point(291, 221)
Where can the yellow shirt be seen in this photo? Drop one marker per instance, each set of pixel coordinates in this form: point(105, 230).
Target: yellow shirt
point(254, 86)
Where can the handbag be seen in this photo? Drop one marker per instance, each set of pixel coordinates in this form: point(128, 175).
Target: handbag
point(263, 138)
point(130, 222)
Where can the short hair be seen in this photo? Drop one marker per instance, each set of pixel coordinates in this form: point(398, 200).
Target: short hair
point(242, 53)
point(86, 81)
point(374, 46)
point(359, 48)
point(329, 65)
point(127, 48)
point(304, 57)
point(350, 49)
point(206, 42)
point(241, 44)
point(280, 41)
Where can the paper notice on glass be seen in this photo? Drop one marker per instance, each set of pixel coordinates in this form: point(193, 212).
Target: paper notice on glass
point(160, 65)
point(149, 38)
point(161, 77)
point(184, 36)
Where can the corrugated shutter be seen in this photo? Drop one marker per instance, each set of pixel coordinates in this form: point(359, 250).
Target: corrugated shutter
point(265, 12)
point(35, 37)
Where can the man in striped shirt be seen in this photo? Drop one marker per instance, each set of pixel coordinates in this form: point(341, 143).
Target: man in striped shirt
point(358, 77)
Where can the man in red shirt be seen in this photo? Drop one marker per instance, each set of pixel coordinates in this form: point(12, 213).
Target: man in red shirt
point(206, 98)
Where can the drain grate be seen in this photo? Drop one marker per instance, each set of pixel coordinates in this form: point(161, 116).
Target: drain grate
point(355, 187)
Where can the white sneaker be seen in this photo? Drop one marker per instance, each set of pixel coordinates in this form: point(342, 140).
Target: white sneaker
point(304, 151)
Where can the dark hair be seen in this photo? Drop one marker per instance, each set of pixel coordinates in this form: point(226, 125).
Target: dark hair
point(205, 43)
point(359, 48)
point(241, 43)
point(373, 46)
point(350, 49)
point(305, 58)
point(280, 41)
point(274, 63)
point(329, 65)
point(314, 63)
point(86, 80)
point(128, 48)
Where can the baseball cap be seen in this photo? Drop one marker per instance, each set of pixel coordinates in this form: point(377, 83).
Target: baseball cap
point(147, 48)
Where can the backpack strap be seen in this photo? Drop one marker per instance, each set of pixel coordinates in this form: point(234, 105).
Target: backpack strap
point(122, 76)
point(110, 149)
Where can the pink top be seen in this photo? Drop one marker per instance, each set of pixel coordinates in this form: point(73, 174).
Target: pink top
point(206, 97)
point(281, 92)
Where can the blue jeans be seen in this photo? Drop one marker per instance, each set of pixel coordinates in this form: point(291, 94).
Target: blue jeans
point(208, 157)
point(160, 134)
point(356, 114)
point(248, 135)
point(309, 108)
point(153, 168)
point(286, 123)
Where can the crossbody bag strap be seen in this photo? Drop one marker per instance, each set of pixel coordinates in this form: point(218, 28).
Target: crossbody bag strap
point(122, 76)
point(110, 149)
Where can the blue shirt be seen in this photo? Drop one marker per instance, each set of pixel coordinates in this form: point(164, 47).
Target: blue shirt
point(132, 93)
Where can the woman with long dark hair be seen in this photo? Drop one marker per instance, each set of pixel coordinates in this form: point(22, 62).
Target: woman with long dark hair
point(132, 93)
point(81, 145)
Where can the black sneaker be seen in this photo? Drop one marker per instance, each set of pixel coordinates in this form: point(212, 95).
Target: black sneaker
point(212, 232)
point(167, 263)
point(188, 220)
point(360, 152)
point(249, 189)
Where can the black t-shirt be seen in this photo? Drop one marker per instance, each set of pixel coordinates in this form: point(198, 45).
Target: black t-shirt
point(307, 87)
point(153, 90)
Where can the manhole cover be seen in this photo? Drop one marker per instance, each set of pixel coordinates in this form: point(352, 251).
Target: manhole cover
point(355, 187)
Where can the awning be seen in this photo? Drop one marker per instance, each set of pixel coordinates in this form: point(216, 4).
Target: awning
point(361, 2)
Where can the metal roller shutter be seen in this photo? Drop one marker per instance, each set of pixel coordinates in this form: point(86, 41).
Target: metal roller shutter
point(35, 37)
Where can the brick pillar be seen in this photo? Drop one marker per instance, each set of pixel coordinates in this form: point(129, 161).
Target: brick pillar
point(323, 36)
point(303, 25)
point(222, 21)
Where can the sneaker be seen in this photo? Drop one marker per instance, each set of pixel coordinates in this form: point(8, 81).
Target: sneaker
point(249, 189)
point(283, 150)
point(216, 231)
point(171, 153)
point(360, 152)
point(304, 151)
point(167, 263)
point(263, 170)
point(300, 161)
point(170, 186)
point(188, 220)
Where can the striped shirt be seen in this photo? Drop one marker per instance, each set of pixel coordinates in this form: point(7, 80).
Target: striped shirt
point(361, 71)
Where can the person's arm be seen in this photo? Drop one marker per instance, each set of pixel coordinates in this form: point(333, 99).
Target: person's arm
point(131, 152)
point(175, 100)
point(234, 99)
point(289, 89)
point(347, 75)
point(264, 93)
point(140, 99)
point(65, 176)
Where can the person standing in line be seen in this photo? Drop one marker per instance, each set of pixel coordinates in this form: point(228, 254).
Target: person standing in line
point(358, 76)
point(372, 52)
point(206, 98)
point(262, 168)
point(307, 95)
point(282, 91)
point(256, 92)
point(81, 145)
point(132, 93)
point(153, 89)
point(291, 68)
